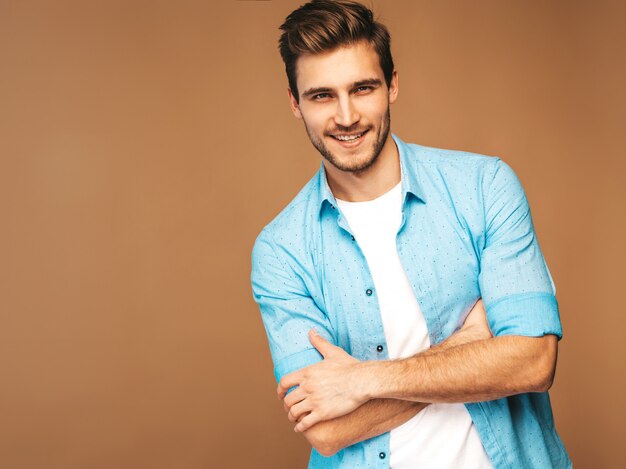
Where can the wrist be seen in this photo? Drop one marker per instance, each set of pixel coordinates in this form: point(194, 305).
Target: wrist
point(370, 372)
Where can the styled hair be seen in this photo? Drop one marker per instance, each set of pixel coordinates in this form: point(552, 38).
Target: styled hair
point(323, 25)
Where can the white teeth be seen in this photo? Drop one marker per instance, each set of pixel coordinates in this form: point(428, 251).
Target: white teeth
point(348, 138)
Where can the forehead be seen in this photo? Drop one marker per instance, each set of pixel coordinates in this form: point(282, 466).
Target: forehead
point(339, 67)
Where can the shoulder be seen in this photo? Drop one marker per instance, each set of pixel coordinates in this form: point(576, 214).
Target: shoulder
point(290, 225)
point(432, 158)
point(454, 168)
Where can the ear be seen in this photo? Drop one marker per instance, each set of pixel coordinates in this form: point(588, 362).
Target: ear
point(295, 108)
point(393, 87)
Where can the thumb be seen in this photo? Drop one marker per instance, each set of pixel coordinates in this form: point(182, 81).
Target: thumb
point(322, 345)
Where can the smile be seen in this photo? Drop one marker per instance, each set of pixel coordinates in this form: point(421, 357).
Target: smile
point(348, 137)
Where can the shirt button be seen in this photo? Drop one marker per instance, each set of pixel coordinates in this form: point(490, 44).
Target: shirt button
point(368, 292)
point(379, 348)
point(381, 455)
point(352, 238)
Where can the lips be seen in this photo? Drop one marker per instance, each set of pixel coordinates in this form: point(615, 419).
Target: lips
point(349, 139)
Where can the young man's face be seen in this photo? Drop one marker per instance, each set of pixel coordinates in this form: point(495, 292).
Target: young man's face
point(344, 103)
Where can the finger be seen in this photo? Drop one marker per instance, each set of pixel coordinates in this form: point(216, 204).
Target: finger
point(322, 345)
point(477, 311)
point(306, 423)
point(477, 320)
point(298, 410)
point(294, 397)
point(478, 306)
point(287, 382)
point(286, 407)
point(302, 416)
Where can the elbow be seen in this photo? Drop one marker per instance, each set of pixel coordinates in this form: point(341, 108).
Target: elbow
point(327, 450)
point(544, 381)
point(546, 364)
point(321, 438)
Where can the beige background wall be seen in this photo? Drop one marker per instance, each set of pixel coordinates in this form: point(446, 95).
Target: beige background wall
point(144, 144)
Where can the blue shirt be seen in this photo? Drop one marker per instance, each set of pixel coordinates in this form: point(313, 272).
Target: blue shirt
point(466, 233)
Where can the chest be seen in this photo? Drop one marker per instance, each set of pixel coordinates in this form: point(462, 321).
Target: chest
point(439, 252)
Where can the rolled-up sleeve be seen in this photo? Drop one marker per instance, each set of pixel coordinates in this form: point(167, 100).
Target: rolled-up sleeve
point(514, 280)
point(287, 310)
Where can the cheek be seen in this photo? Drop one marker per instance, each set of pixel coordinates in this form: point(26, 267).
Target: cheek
point(319, 120)
point(375, 108)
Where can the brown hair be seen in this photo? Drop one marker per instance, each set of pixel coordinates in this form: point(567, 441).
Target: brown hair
point(323, 25)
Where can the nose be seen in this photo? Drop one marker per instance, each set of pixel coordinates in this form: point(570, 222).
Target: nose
point(346, 114)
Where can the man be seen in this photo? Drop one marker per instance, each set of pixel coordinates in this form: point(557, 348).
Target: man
point(370, 281)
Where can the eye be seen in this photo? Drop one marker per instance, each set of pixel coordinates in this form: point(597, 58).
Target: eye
point(320, 96)
point(363, 88)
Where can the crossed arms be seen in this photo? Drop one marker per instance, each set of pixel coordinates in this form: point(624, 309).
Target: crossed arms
point(341, 401)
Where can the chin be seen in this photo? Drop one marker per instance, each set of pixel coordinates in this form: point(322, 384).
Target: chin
point(352, 165)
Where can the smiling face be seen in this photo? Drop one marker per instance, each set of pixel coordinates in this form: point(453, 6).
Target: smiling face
point(344, 104)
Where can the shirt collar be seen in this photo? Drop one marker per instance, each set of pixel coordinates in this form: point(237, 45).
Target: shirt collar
point(408, 171)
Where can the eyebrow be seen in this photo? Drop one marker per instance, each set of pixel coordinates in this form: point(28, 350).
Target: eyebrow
point(356, 84)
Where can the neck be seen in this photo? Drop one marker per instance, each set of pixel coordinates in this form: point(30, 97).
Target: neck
point(370, 183)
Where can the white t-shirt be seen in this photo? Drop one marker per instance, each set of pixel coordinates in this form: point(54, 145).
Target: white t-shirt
point(441, 436)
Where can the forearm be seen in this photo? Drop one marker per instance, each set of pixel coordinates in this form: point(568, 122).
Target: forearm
point(373, 418)
point(377, 416)
point(469, 372)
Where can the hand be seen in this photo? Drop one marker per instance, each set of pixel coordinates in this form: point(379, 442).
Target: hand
point(476, 322)
point(326, 390)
